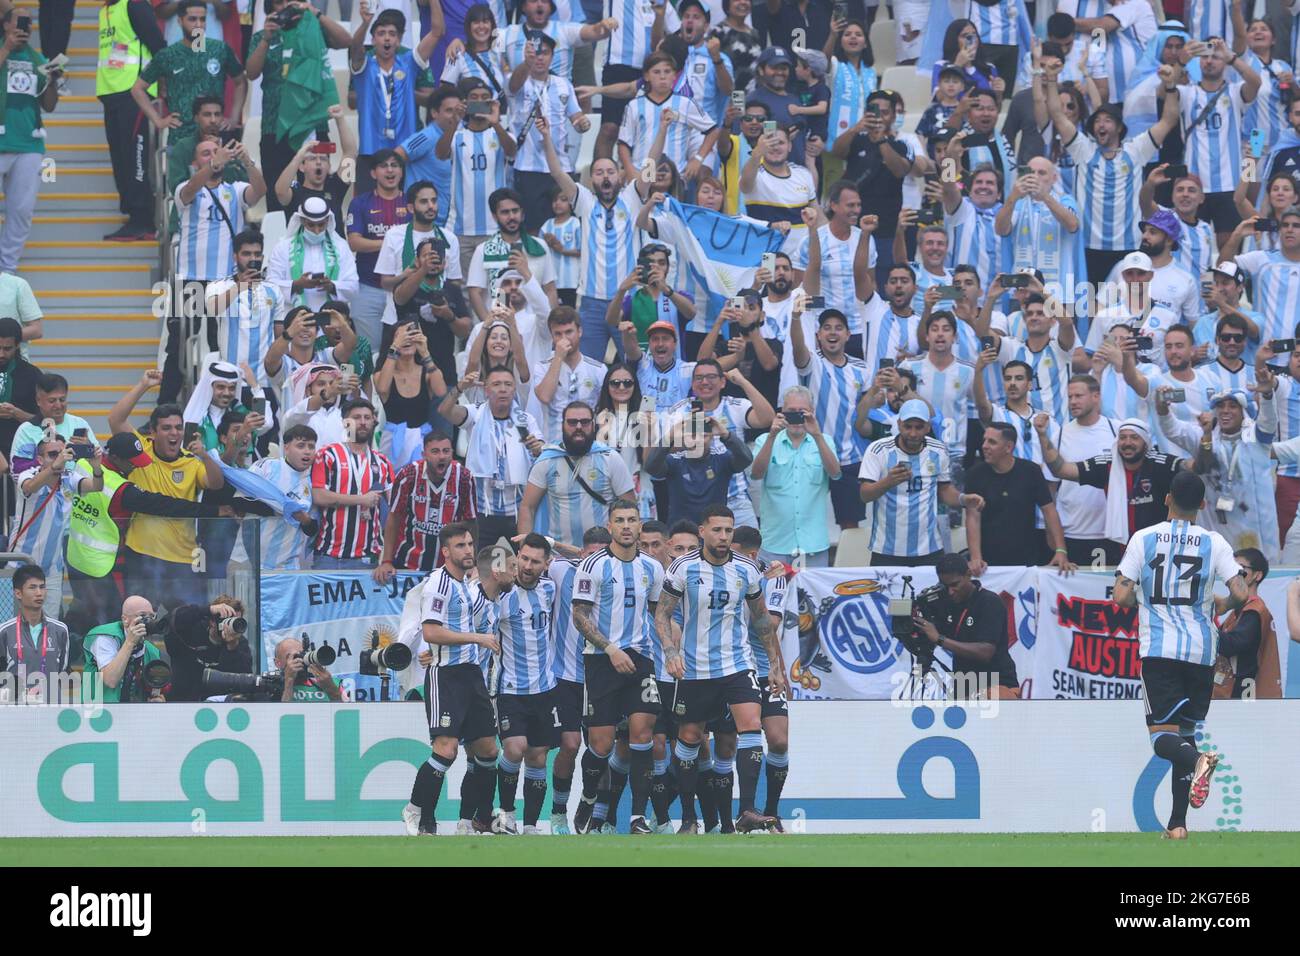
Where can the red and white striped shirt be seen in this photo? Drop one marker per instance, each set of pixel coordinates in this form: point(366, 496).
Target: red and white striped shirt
point(424, 509)
point(346, 531)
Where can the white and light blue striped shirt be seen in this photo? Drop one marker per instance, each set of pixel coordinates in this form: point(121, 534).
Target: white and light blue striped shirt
point(630, 44)
point(948, 392)
point(715, 620)
point(559, 102)
point(571, 509)
point(457, 606)
point(1198, 246)
point(996, 23)
point(247, 327)
point(478, 169)
point(1275, 284)
point(283, 546)
point(892, 333)
point(905, 519)
point(1213, 148)
point(621, 593)
point(1209, 18)
point(524, 619)
point(1267, 111)
point(610, 240)
point(1176, 566)
point(1107, 190)
point(570, 236)
point(1124, 47)
point(206, 250)
point(43, 537)
point(565, 35)
point(685, 136)
point(701, 74)
point(835, 390)
point(1287, 401)
point(1052, 371)
point(566, 663)
point(837, 282)
point(972, 240)
point(667, 387)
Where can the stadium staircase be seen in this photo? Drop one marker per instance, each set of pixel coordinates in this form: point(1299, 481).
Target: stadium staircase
point(100, 331)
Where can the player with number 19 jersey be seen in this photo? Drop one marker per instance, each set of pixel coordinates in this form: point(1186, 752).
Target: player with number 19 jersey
point(715, 622)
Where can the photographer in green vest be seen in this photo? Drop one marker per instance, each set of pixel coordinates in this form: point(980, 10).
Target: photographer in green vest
point(121, 654)
point(299, 688)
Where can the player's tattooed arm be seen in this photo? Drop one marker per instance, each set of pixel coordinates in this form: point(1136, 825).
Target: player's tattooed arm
point(765, 632)
point(669, 639)
point(587, 627)
point(1124, 593)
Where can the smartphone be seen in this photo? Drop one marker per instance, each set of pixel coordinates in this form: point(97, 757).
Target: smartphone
point(840, 11)
point(80, 433)
point(80, 451)
point(815, 302)
point(794, 418)
point(24, 23)
point(769, 126)
point(737, 301)
point(1265, 225)
point(324, 149)
point(697, 405)
point(1176, 395)
point(873, 109)
point(929, 213)
point(738, 99)
point(478, 108)
point(1176, 171)
point(254, 266)
point(1282, 345)
point(1144, 343)
point(768, 262)
point(886, 363)
point(947, 291)
point(516, 247)
point(987, 342)
point(1024, 170)
point(643, 273)
point(191, 433)
point(523, 432)
point(322, 321)
point(259, 406)
point(1014, 280)
point(1258, 143)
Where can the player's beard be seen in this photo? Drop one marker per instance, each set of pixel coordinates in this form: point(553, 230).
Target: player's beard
point(719, 553)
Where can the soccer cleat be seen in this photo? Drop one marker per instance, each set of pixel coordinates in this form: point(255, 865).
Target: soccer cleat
point(751, 820)
point(560, 825)
point(504, 823)
point(638, 827)
point(582, 815)
point(1201, 777)
point(530, 830)
point(1177, 833)
point(665, 827)
point(775, 825)
point(411, 819)
point(689, 826)
point(481, 829)
point(464, 828)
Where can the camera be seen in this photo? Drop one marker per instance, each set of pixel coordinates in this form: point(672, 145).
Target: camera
point(237, 624)
point(1144, 342)
point(156, 624)
point(795, 417)
point(1282, 345)
point(379, 659)
point(314, 656)
point(268, 686)
point(156, 675)
point(287, 18)
point(902, 624)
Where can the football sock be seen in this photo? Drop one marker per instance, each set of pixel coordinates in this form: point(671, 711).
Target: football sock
point(724, 782)
point(428, 786)
point(468, 790)
point(618, 771)
point(661, 790)
point(686, 760)
point(778, 768)
point(485, 782)
point(641, 758)
point(534, 794)
point(594, 766)
point(704, 791)
point(560, 787)
point(507, 783)
point(749, 763)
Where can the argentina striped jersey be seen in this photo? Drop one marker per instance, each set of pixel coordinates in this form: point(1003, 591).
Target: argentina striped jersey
point(524, 625)
point(715, 619)
point(905, 518)
point(620, 592)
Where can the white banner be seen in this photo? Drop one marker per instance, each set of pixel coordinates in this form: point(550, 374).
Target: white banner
point(855, 766)
point(1087, 646)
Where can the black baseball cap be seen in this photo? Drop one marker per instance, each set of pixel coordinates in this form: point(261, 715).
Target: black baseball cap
point(127, 447)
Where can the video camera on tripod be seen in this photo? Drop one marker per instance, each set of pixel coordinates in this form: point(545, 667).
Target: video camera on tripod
point(902, 623)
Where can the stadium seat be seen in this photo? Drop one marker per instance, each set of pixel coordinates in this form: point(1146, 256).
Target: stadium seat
point(274, 226)
point(855, 548)
point(883, 39)
point(912, 86)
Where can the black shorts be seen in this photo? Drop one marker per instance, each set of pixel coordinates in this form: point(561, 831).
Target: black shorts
point(700, 701)
point(611, 696)
point(611, 108)
point(666, 723)
point(1176, 691)
point(457, 704)
point(535, 717)
point(773, 705)
point(568, 699)
point(1221, 210)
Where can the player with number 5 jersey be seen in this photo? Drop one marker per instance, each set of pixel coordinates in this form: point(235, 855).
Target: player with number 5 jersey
point(613, 591)
point(721, 597)
point(1169, 571)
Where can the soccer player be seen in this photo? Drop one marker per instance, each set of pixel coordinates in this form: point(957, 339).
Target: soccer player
point(1169, 572)
point(613, 590)
point(456, 700)
point(528, 716)
point(747, 542)
point(712, 661)
point(569, 676)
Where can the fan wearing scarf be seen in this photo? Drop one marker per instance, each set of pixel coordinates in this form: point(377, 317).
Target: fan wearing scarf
point(509, 248)
point(312, 263)
point(400, 264)
point(1232, 454)
point(1141, 101)
point(217, 394)
point(1135, 491)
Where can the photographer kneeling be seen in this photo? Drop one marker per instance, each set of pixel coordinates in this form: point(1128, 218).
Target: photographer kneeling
point(970, 623)
point(132, 668)
point(299, 688)
point(202, 636)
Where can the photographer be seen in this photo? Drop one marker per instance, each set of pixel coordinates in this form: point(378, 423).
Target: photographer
point(206, 636)
point(120, 654)
point(970, 623)
point(298, 687)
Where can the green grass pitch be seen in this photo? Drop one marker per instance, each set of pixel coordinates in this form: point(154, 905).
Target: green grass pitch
point(938, 849)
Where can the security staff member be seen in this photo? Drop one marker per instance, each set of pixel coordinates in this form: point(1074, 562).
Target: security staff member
point(128, 36)
point(970, 624)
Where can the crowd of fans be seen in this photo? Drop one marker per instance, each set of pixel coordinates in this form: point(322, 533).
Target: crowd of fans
point(1001, 317)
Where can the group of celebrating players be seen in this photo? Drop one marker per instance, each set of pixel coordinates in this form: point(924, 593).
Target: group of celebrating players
point(654, 638)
